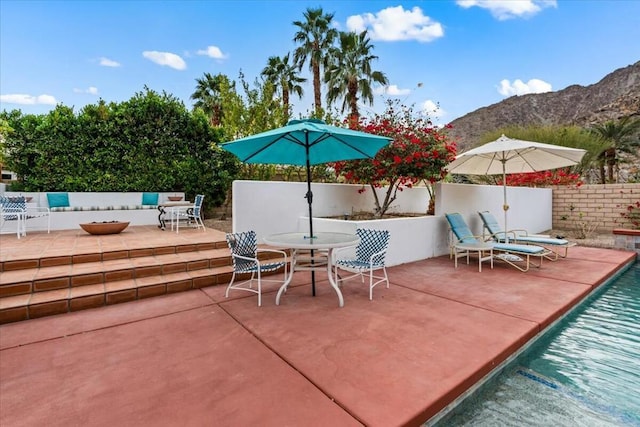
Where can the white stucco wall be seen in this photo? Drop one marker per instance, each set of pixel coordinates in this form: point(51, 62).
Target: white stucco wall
point(70, 220)
point(529, 208)
point(278, 207)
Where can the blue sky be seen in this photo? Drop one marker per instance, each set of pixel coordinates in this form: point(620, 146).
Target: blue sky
point(462, 55)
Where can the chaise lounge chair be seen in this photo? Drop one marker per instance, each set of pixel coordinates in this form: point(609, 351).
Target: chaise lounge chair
point(516, 255)
point(558, 247)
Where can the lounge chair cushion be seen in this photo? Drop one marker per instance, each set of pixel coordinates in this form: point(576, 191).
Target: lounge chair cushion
point(460, 229)
point(494, 228)
point(525, 249)
point(58, 200)
point(542, 240)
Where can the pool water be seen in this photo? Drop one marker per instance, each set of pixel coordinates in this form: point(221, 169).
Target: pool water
point(585, 372)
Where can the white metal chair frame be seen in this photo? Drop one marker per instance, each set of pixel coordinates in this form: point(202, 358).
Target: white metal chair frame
point(245, 256)
point(510, 253)
point(370, 257)
point(190, 213)
point(20, 211)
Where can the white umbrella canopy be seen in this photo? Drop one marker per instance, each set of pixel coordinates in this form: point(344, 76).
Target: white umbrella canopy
point(506, 156)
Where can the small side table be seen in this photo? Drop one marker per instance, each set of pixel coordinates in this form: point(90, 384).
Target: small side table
point(483, 248)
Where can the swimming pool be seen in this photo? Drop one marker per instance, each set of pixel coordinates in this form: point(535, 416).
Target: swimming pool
point(584, 372)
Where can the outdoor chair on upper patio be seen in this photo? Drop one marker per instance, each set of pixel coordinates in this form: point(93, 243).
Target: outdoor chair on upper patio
point(245, 256)
point(370, 257)
point(192, 215)
point(558, 247)
point(462, 241)
point(18, 210)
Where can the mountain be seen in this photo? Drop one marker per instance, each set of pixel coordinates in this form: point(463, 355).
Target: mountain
point(615, 96)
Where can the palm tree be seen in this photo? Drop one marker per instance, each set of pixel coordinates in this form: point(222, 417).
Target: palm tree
point(207, 96)
point(285, 77)
point(349, 73)
point(315, 36)
point(619, 138)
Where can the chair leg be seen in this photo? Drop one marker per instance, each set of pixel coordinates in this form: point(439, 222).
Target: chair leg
point(372, 285)
point(259, 290)
point(233, 277)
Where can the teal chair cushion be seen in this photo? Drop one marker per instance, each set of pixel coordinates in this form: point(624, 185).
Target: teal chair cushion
point(460, 228)
point(150, 198)
point(58, 200)
point(524, 249)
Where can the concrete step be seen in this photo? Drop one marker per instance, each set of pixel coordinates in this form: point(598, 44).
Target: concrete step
point(38, 287)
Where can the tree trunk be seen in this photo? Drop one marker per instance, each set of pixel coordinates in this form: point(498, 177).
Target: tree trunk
point(285, 101)
point(431, 210)
point(352, 96)
point(316, 86)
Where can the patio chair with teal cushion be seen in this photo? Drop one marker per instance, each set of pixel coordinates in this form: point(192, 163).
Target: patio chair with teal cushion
point(246, 260)
point(369, 257)
point(516, 255)
point(558, 247)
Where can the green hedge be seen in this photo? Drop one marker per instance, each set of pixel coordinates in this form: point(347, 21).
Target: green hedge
point(148, 143)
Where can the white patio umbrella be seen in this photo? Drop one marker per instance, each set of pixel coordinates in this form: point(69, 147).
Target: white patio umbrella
point(506, 155)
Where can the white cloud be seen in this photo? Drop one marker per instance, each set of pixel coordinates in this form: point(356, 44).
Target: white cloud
point(518, 87)
point(507, 9)
point(24, 99)
point(213, 52)
point(106, 62)
point(165, 58)
point(91, 90)
point(433, 110)
point(394, 90)
point(391, 90)
point(395, 23)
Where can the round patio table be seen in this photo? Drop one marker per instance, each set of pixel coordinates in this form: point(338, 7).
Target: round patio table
point(463, 249)
point(321, 241)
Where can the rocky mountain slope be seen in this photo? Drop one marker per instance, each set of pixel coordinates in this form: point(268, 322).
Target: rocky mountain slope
point(615, 96)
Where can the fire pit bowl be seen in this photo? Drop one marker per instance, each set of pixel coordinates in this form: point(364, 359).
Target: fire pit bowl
point(105, 227)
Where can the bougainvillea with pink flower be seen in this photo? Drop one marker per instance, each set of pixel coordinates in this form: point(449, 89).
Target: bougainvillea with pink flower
point(544, 178)
point(419, 152)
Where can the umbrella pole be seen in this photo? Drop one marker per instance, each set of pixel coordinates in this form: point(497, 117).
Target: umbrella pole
point(309, 197)
point(505, 206)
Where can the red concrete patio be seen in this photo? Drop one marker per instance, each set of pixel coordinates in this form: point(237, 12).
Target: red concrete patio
point(197, 358)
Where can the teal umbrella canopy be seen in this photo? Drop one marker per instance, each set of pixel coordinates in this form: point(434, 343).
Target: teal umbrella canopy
point(306, 141)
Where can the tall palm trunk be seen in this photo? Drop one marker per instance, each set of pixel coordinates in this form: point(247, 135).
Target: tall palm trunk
point(352, 91)
point(285, 100)
point(317, 98)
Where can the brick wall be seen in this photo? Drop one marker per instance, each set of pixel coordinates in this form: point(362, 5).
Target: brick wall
point(594, 203)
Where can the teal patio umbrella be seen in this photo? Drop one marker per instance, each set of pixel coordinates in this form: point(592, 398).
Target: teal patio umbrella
point(304, 143)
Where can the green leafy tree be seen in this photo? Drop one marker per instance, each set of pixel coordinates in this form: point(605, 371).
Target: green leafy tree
point(617, 137)
point(148, 143)
point(419, 152)
point(207, 96)
point(565, 136)
point(284, 76)
point(349, 74)
point(5, 130)
point(315, 36)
